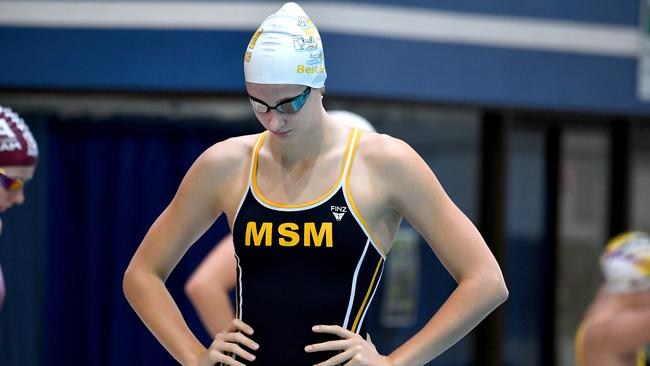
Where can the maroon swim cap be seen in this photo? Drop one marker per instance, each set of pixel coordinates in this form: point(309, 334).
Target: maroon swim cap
point(17, 144)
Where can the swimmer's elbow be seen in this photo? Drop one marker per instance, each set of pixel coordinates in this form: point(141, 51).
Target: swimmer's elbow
point(500, 291)
point(193, 287)
point(127, 280)
point(133, 281)
point(503, 293)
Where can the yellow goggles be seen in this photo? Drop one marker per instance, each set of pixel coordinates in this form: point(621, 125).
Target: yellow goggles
point(10, 183)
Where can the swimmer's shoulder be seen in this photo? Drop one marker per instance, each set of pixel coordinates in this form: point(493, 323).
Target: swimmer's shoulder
point(234, 150)
point(228, 156)
point(384, 154)
point(607, 330)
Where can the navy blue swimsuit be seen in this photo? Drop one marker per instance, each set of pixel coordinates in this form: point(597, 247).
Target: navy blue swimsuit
point(303, 265)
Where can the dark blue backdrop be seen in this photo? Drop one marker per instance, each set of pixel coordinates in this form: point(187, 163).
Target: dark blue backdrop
point(108, 183)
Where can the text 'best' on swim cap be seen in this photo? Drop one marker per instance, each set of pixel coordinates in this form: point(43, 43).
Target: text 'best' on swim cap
point(626, 263)
point(286, 49)
point(17, 144)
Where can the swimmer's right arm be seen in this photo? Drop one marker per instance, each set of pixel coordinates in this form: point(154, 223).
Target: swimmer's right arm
point(194, 208)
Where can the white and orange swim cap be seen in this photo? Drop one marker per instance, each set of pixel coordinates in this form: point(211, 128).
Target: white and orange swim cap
point(626, 263)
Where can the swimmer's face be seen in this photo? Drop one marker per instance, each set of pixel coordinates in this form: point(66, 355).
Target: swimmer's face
point(11, 190)
point(281, 107)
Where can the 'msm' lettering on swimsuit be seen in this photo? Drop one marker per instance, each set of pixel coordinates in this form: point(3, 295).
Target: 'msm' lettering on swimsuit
point(289, 234)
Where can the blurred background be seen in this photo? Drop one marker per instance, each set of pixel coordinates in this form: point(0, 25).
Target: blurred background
point(533, 114)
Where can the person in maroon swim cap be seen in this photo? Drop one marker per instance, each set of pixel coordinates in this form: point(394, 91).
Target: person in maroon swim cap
point(18, 158)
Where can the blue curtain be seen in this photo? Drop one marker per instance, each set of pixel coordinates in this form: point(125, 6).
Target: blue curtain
point(108, 181)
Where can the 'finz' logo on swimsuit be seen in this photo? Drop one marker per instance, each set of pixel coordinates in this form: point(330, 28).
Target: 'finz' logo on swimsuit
point(338, 212)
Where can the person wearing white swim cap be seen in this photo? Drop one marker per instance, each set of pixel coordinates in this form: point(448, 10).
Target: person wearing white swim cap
point(314, 207)
point(615, 330)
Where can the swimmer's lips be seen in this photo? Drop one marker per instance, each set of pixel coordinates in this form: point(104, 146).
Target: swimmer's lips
point(281, 134)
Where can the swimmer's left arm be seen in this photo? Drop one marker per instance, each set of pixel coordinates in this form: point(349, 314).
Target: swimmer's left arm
point(416, 194)
point(412, 190)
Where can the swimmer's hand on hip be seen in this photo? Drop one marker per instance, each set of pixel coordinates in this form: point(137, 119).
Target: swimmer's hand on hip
point(227, 343)
point(354, 350)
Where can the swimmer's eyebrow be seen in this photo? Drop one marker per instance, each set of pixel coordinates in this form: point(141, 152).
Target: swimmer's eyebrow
point(290, 97)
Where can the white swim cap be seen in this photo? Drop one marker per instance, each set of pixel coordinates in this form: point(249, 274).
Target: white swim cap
point(626, 263)
point(352, 120)
point(286, 49)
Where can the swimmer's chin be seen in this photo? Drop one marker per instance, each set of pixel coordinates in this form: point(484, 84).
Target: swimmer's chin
point(281, 133)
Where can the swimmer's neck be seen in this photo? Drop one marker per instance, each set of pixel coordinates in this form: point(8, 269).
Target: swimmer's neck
point(322, 136)
point(633, 299)
point(641, 298)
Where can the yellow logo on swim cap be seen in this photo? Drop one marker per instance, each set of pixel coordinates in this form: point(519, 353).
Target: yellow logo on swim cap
point(247, 56)
point(620, 239)
point(255, 37)
point(643, 265)
point(317, 69)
